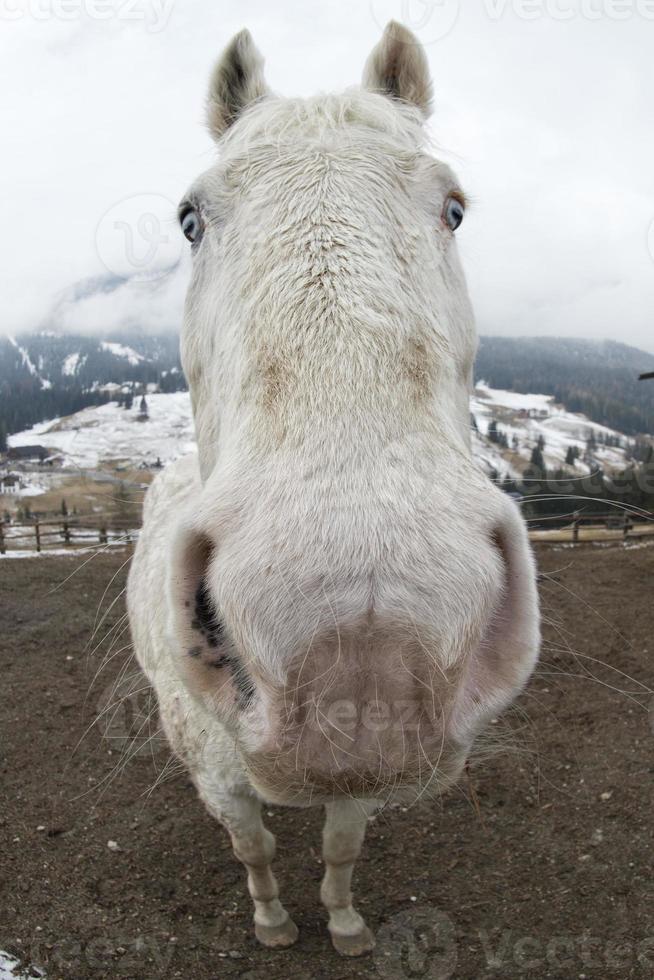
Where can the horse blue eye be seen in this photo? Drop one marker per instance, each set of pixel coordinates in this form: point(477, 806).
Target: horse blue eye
point(453, 213)
point(192, 226)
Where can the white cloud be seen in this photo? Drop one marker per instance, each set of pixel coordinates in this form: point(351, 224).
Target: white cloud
point(547, 120)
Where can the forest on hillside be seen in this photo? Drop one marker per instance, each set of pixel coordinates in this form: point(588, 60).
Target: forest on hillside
point(45, 376)
point(597, 378)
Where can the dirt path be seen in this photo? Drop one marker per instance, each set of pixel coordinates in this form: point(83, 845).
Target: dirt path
point(551, 877)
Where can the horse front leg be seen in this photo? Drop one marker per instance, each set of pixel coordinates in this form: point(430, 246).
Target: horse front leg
point(254, 847)
point(343, 833)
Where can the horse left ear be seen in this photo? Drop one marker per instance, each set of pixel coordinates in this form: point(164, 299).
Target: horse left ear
point(398, 68)
point(237, 81)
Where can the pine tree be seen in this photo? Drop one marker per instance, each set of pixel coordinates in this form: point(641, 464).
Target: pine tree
point(64, 508)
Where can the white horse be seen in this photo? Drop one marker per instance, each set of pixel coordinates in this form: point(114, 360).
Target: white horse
point(330, 600)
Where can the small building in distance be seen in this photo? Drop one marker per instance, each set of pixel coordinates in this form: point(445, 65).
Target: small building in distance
point(28, 454)
point(10, 482)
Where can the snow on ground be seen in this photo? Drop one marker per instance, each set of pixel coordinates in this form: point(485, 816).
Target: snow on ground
point(97, 435)
point(23, 353)
point(59, 553)
point(119, 350)
point(71, 364)
point(33, 485)
point(514, 400)
point(525, 419)
point(10, 969)
point(107, 433)
point(490, 458)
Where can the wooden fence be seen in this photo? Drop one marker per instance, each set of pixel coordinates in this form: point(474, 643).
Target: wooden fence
point(104, 530)
point(583, 527)
point(67, 532)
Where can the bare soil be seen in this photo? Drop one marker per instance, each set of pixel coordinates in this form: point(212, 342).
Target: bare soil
point(539, 866)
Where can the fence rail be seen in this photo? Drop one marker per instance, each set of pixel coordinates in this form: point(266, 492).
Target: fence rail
point(70, 533)
point(103, 530)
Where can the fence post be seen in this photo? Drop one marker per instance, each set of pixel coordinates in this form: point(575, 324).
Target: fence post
point(103, 535)
point(37, 533)
point(575, 527)
point(66, 533)
point(3, 549)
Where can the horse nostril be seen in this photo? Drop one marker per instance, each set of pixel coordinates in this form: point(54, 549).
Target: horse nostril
point(213, 631)
point(205, 618)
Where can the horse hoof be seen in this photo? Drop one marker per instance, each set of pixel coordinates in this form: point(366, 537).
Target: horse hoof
point(359, 945)
point(277, 937)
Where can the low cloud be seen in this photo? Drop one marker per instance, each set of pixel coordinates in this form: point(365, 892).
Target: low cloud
point(546, 120)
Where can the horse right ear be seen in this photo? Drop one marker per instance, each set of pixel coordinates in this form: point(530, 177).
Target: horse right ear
point(237, 81)
point(398, 68)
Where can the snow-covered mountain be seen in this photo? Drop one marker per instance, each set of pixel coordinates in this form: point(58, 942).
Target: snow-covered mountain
point(108, 433)
point(66, 359)
point(47, 375)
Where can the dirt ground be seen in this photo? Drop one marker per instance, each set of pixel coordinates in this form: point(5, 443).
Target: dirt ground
point(540, 866)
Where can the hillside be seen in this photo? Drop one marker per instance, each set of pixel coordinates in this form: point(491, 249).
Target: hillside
point(47, 375)
point(506, 428)
point(597, 378)
point(106, 434)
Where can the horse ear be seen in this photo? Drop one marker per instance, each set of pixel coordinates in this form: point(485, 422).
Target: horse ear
point(237, 81)
point(398, 67)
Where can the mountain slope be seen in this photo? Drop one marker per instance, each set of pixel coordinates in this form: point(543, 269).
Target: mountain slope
point(47, 375)
point(598, 378)
point(109, 433)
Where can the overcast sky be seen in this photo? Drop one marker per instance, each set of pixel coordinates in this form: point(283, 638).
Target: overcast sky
point(545, 109)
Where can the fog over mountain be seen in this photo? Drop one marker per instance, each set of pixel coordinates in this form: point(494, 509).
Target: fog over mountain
point(109, 303)
point(543, 110)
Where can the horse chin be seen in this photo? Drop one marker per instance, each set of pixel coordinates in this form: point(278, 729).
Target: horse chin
point(301, 789)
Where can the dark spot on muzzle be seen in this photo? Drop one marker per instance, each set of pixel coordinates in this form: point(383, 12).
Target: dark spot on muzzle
point(242, 682)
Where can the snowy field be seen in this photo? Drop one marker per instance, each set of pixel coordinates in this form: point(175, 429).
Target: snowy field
point(108, 434)
point(529, 417)
point(10, 969)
